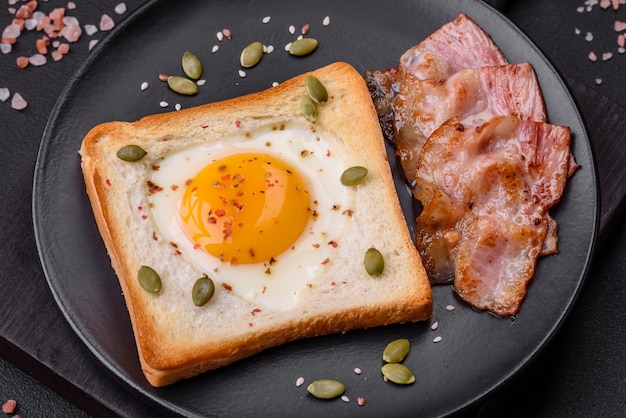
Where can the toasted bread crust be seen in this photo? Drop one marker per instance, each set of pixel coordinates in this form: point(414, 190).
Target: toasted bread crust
point(170, 352)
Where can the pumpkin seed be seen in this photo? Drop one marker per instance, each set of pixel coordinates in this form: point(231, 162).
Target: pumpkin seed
point(326, 389)
point(353, 175)
point(396, 351)
point(398, 373)
point(308, 108)
point(302, 47)
point(182, 85)
point(316, 89)
point(192, 66)
point(251, 55)
point(149, 279)
point(203, 290)
point(374, 262)
point(131, 153)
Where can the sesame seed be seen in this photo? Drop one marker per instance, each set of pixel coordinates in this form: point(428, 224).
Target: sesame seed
point(164, 104)
point(300, 381)
point(215, 48)
point(434, 326)
point(437, 339)
point(292, 29)
point(177, 106)
point(270, 49)
point(267, 19)
point(201, 82)
point(357, 370)
point(450, 308)
point(220, 36)
point(275, 83)
point(345, 398)
point(144, 85)
point(242, 73)
point(326, 21)
point(288, 46)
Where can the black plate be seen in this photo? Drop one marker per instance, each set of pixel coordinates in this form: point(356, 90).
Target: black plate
point(478, 351)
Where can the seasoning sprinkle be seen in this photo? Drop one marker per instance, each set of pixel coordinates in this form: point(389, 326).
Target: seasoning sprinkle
point(267, 19)
point(437, 339)
point(300, 381)
point(326, 21)
point(345, 398)
point(164, 104)
point(450, 308)
point(434, 326)
point(144, 85)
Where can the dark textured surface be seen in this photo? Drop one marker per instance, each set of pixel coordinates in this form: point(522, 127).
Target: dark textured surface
point(581, 373)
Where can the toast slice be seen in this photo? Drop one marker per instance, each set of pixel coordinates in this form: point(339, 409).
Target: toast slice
point(177, 339)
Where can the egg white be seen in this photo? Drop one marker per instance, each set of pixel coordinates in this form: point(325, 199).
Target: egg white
point(282, 284)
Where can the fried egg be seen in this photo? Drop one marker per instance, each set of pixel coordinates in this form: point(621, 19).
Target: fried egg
point(260, 216)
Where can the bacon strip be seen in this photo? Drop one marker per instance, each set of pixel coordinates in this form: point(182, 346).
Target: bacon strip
point(474, 95)
point(486, 194)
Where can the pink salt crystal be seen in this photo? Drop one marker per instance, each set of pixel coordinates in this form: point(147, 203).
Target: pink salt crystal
point(619, 26)
point(12, 2)
point(37, 60)
point(12, 31)
point(32, 5)
point(72, 32)
point(71, 5)
point(621, 40)
point(56, 55)
point(5, 48)
point(607, 56)
point(4, 94)
point(592, 56)
point(92, 43)
point(57, 14)
point(64, 48)
point(24, 13)
point(120, 9)
point(106, 22)
point(22, 62)
point(11, 10)
point(18, 102)
point(43, 22)
point(90, 29)
point(30, 24)
point(605, 4)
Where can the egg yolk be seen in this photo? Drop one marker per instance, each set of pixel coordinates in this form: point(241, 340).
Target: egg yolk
point(245, 208)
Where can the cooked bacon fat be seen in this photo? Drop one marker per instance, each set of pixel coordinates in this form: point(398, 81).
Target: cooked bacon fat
point(486, 192)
